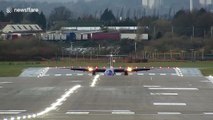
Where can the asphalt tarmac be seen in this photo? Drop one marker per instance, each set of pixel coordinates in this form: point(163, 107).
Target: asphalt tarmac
point(55, 93)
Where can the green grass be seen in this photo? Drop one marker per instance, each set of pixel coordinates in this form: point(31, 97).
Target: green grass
point(12, 69)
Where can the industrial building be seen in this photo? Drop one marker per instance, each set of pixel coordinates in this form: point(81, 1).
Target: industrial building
point(14, 31)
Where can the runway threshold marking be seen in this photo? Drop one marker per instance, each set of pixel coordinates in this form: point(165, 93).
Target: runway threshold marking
point(169, 113)
point(172, 104)
point(169, 94)
point(173, 88)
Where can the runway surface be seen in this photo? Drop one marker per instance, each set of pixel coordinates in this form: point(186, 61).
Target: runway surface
point(55, 93)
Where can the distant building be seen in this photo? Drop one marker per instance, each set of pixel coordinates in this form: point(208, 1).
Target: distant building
point(22, 28)
point(14, 31)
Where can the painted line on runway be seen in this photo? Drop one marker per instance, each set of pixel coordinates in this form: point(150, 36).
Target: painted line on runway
point(163, 74)
point(11, 112)
point(152, 74)
point(59, 101)
point(76, 81)
point(80, 74)
point(166, 94)
point(98, 110)
point(151, 86)
point(57, 75)
point(95, 80)
point(210, 78)
point(140, 73)
point(172, 104)
point(173, 88)
point(169, 113)
point(123, 113)
point(174, 74)
point(208, 113)
point(77, 113)
point(68, 74)
point(6, 82)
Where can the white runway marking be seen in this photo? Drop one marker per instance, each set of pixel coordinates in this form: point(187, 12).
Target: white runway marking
point(11, 112)
point(152, 74)
point(163, 74)
point(77, 113)
point(173, 88)
point(169, 113)
point(98, 110)
point(208, 113)
point(169, 94)
point(80, 74)
point(6, 82)
point(140, 74)
point(77, 81)
point(210, 78)
point(94, 81)
point(174, 74)
point(68, 74)
point(57, 75)
point(172, 104)
point(59, 101)
point(123, 113)
point(151, 86)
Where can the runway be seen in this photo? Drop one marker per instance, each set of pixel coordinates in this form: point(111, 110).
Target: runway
point(55, 93)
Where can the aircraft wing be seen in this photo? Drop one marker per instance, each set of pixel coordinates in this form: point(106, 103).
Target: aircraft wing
point(119, 70)
point(79, 69)
point(140, 69)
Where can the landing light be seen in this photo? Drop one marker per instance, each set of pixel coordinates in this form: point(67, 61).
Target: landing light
point(129, 69)
point(90, 69)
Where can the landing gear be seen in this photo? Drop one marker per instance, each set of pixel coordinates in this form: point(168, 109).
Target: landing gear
point(125, 73)
point(93, 73)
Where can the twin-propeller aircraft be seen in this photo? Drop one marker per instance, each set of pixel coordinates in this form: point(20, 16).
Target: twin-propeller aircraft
point(111, 71)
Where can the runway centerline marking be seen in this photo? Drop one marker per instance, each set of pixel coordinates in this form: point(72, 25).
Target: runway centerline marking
point(123, 113)
point(68, 74)
point(208, 113)
point(57, 75)
point(172, 104)
point(11, 112)
point(169, 113)
point(94, 81)
point(151, 86)
point(77, 113)
point(163, 74)
point(173, 88)
point(152, 74)
point(169, 94)
point(6, 82)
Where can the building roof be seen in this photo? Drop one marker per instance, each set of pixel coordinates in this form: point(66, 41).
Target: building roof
point(20, 28)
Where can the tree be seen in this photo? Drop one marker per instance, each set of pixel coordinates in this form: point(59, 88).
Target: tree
point(42, 20)
point(107, 17)
point(2, 16)
point(60, 14)
point(15, 17)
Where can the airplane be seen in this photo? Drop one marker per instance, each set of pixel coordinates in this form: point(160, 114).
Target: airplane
point(111, 71)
